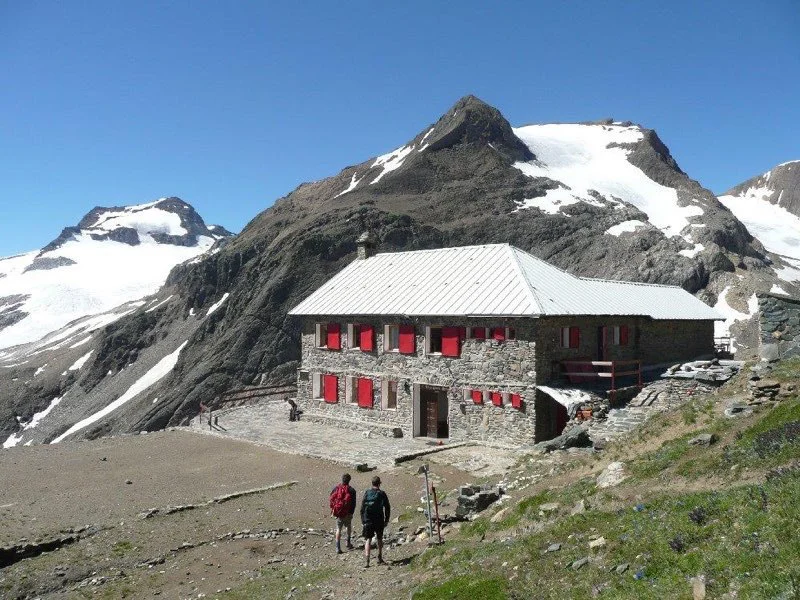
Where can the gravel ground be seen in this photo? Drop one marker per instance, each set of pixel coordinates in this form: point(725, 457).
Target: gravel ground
point(234, 545)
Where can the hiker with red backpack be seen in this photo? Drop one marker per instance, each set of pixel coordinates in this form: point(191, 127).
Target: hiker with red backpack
point(343, 505)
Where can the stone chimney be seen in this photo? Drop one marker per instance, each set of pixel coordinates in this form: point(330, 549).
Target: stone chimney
point(366, 246)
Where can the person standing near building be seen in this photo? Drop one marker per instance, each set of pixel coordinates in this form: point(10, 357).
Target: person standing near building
point(375, 512)
point(343, 506)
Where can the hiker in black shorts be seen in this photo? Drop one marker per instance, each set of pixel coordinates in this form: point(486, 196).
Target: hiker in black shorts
point(375, 511)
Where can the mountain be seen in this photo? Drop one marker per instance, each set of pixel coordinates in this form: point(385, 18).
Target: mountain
point(599, 199)
point(769, 206)
point(114, 255)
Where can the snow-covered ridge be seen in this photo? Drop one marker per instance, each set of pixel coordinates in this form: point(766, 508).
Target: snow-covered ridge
point(92, 270)
point(589, 157)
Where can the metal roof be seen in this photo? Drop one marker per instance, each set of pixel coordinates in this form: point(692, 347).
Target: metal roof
point(488, 280)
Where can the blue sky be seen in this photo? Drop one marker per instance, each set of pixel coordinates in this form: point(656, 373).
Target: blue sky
point(232, 105)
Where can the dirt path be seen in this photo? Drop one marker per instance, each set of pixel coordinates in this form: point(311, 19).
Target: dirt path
point(107, 483)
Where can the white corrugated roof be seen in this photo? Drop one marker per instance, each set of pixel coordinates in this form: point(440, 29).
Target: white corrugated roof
point(489, 280)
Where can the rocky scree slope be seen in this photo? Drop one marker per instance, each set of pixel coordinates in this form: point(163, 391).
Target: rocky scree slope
point(470, 178)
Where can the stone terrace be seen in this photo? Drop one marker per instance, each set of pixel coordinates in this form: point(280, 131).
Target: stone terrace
point(267, 424)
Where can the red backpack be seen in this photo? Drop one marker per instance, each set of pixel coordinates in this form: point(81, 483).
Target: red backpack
point(341, 500)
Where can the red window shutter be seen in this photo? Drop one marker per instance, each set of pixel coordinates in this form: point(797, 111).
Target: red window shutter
point(516, 401)
point(623, 335)
point(499, 333)
point(407, 341)
point(330, 384)
point(477, 396)
point(574, 337)
point(365, 392)
point(497, 398)
point(334, 341)
point(367, 338)
point(479, 333)
point(451, 341)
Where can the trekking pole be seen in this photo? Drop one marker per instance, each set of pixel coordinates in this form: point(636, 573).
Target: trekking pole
point(438, 521)
point(424, 470)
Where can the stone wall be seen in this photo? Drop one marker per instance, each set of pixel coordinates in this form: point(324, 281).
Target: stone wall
point(652, 342)
point(506, 366)
point(510, 366)
point(779, 326)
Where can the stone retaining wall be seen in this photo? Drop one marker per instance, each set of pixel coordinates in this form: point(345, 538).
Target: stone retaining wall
point(779, 326)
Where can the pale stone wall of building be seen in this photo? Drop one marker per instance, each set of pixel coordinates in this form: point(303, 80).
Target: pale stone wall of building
point(506, 366)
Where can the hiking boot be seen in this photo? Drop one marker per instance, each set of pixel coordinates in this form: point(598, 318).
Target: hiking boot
point(339, 551)
point(381, 561)
point(350, 546)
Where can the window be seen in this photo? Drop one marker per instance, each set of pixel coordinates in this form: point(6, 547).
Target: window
point(477, 333)
point(330, 388)
point(350, 390)
point(353, 335)
point(321, 335)
point(389, 394)
point(391, 338)
point(570, 337)
point(433, 340)
point(620, 335)
point(365, 396)
point(511, 333)
point(328, 335)
point(317, 386)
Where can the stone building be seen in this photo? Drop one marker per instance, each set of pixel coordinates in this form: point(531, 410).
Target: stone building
point(456, 342)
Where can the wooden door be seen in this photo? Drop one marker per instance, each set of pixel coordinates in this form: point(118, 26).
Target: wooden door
point(432, 413)
point(602, 343)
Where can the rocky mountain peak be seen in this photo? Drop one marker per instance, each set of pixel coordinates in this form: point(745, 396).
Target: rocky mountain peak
point(164, 221)
point(780, 186)
point(471, 120)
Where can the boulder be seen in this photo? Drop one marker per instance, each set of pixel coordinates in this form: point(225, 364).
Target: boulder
point(614, 474)
point(704, 439)
point(574, 437)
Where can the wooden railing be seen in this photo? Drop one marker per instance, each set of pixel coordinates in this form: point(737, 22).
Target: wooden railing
point(580, 371)
point(253, 394)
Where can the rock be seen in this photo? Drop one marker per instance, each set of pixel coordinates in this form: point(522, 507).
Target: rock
point(770, 352)
point(738, 410)
point(474, 499)
point(574, 437)
point(362, 467)
point(704, 439)
point(547, 508)
point(598, 543)
point(553, 547)
point(698, 587)
point(500, 515)
point(579, 563)
point(614, 474)
point(579, 508)
point(600, 444)
point(128, 482)
point(620, 569)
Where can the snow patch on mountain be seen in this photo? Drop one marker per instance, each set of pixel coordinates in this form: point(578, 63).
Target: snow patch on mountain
point(16, 438)
point(625, 227)
point(391, 161)
point(161, 368)
point(723, 328)
point(217, 304)
point(774, 226)
point(78, 364)
point(353, 183)
point(586, 158)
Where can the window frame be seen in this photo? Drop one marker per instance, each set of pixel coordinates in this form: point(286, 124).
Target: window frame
point(390, 331)
point(429, 329)
point(386, 392)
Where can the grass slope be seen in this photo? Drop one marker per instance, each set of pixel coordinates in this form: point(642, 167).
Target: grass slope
point(725, 513)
